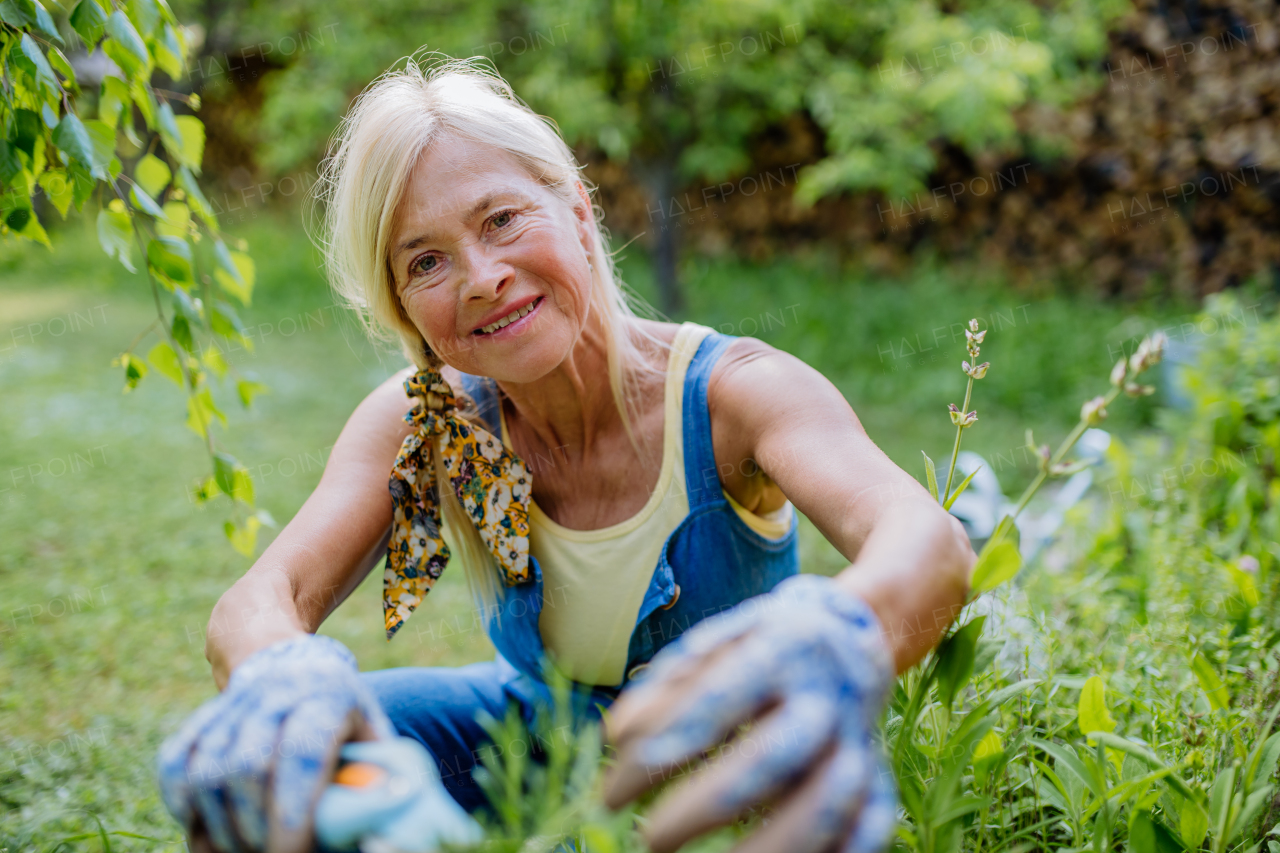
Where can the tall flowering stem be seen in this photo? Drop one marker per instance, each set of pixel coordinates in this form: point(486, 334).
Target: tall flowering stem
point(962, 417)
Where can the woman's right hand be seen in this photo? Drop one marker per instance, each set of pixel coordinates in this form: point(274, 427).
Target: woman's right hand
point(244, 772)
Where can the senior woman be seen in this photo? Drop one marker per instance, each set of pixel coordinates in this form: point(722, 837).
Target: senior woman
point(613, 487)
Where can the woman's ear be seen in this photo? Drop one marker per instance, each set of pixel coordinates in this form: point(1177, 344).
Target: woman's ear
point(585, 216)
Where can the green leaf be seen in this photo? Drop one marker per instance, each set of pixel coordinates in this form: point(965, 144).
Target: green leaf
point(10, 162)
point(242, 486)
point(169, 52)
point(224, 321)
point(1208, 678)
point(27, 130)
point(72, 139)
point(1142, 834)
point(1193, 824)
point(115, 235)
point(196, 198)
point(243, 537)
point(44, 23)
point(931, 475)
point(153, 174)
point(144, 202)
point(235, 272)
point(63, 66)
point(145, 15)
point(995, 566)
point(964, 484)
point(1092, 714)
point(1220, 796)
point(191, 136)
point(134, 370)
point(89, 21)
point(113, 97)
point(140, 93)
point(248, 389)
point(58, 188)
point(955, 660)
point(177, 220)
point(170, 133)
point(126, 46)
point(170, 258)
point(224, 471)
point(18, 13)
point(39, 65)
point(181, 331)
point(165, 361)
point(201, 410)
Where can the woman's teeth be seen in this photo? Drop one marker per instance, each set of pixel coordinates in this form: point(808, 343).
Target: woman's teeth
point(510, 318)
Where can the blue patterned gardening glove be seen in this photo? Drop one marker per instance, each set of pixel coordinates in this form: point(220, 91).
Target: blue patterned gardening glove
point(269, 741)
point(809, 664)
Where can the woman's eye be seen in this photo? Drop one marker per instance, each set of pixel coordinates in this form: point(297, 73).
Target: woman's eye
point(425, 264)
point(503, 218)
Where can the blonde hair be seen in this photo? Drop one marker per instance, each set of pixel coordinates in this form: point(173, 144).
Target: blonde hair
point(363, 181)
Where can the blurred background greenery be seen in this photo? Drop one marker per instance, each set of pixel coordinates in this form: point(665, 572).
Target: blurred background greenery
point(847, 182)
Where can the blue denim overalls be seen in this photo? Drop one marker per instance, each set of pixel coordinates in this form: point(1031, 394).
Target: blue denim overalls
point(709, 563)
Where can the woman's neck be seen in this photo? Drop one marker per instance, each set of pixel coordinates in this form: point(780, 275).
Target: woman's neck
point(571, 409)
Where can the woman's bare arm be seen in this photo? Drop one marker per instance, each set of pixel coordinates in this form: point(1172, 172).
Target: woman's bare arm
point(324, 552)
point(911, 559)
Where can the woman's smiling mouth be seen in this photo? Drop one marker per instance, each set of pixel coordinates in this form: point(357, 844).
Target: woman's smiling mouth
point(513, 318)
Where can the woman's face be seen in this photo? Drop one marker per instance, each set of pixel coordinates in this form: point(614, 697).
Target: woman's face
point(476, 240)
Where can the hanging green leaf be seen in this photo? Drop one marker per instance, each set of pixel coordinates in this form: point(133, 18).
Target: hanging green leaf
point(113, 99)
point(248, 389)
point(115, 235)
point(38, 65)
point(201, 410)
point(153, 174)
point(58, 189)
point(177, 218)
point(165, 361)
point(144, 202)
point(145, 15)
point(191, 141)
point(170, 56)
point(44, 23)
point(234, 272)
point(89, 21)
point(126, 47)
point(170, 257)
point(244, 537)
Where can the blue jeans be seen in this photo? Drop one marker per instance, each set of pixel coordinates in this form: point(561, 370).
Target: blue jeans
point(438, 706)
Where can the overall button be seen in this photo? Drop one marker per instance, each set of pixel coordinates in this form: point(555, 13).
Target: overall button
point(672, 603)
point(638, 669)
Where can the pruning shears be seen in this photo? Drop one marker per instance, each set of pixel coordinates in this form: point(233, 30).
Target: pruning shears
point(387, 797)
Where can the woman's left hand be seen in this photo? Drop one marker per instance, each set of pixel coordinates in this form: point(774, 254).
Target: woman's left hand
point(808, 664)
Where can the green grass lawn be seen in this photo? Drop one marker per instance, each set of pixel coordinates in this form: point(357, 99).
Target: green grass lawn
point(108, 571)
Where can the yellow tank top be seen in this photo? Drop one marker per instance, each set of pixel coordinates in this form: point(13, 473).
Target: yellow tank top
point(594, 581)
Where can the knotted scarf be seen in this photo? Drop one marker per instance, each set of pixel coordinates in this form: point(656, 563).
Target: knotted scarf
point(491, 484)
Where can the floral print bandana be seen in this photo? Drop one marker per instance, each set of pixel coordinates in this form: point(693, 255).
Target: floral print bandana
point(491, 483)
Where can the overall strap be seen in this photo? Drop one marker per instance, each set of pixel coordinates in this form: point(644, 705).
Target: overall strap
point(701, 477)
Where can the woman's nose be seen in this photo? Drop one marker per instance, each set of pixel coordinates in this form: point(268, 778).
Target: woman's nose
point(487, 277)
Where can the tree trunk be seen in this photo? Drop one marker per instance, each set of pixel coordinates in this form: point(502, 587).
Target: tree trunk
point(660, 178)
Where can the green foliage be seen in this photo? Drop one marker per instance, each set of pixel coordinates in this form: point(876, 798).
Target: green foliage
point(48, 146)
point(678, 89)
